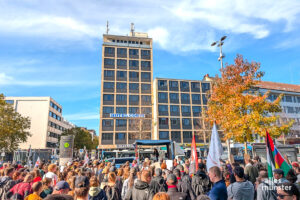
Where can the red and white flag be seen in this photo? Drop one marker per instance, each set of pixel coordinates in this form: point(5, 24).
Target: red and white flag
point(38, 162)
point(194, 156)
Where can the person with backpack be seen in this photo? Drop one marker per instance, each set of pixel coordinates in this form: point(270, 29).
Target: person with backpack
point(21, 190)
point(141, 189)
point(184, 184)
point(5, 182)
point(265, 189)
point(200, 181)
point(110, 188)
point(158, 184)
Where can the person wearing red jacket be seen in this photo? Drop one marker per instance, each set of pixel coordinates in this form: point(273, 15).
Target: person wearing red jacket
point(21, 190)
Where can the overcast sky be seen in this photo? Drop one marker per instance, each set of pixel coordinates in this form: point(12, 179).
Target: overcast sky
point(53, 47)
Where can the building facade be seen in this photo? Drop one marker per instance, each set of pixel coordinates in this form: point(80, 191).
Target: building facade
point(46, 119)
point(290, 106)
point(178, 110)
point(126, 88)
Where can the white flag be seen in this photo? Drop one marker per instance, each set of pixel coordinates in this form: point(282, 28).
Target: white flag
point(38, 162)
point(215, 149)
point(86, 158)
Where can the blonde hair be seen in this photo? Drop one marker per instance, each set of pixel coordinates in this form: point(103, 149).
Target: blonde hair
point(161, 196)
point(28, 178)
point(111, 177)
point(51, 167)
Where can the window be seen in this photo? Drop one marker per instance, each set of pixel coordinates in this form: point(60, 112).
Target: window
point(162, 83)
point(146, 76)
point(175, 136)
point(196, 99)
point(108, 97)
point(197, 124)
point(186, 122)
point(174, 98)
point(121, 97)
point(204, 99)
point(108, 85)
point(146, 99)
point(272, 97)
point(109, 62)
point(121, 74)
point(290, 109)
point(145, 52)
point(146, 87)
point(121, 122)
point(120, 136)
point(107, 122)
point(146, 65)
point(133, 75)
point(121, 86)
point(174, 108)
point(173, 84)
point(298, 99)
point(184, 86)
point(107, 136)
point(163, 109)
point(133, 52)
point(133, 64)
point(121, 110)
point(288, 98)
point(163, 121)
point(175, 123)
point(187, 136)
point(108, 110)
point(133, 98)
point(133, 86)
point(134, 110)
point(121, 63)
point(195, 86)
point(163, 135)
point(185, 98)
point(186, 110)
point(122, 52)
point(147, 110)
point(109, 73)
point(196, 111)
point(109, 50)
point(205, 87)
point(9, 101)
point(162, 97)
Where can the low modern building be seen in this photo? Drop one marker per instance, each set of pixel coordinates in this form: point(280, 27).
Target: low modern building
point(290, 106)
point(47, 122)
point(178, 109)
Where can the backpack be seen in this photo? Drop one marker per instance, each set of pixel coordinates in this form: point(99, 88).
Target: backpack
point(112, 193)
point(162, 186)
point(2, 188)
point(200, 185)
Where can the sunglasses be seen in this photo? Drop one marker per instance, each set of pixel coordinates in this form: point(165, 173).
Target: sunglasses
point(281, 196)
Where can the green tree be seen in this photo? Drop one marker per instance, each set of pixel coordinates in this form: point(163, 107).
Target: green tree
point(239, 109)
point(81, 138)
point(13, 127)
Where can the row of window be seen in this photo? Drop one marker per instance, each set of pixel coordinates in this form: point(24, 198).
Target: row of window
point(184, 136)
point(124, 122)
point(286, 98)
point(51, 145)
point(174, 110)
point(291, 110)
point(185, 98)
point(53, 105)
point(56, 126)
point(122, 52)
point(122, 136)
point(122, 64)
point(55, 116)
point(185, 86)
point(122, 76)
point(108, 99)
point(53, 135)
point(123, 110)
point(122, 87)
point(184, 123)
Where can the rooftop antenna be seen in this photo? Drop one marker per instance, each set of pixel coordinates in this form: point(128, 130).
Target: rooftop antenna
point(107, 27)
point(132, 29)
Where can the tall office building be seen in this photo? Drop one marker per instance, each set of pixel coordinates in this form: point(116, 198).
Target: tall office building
point(178, 110)
point(126, 88)
point(46, 119)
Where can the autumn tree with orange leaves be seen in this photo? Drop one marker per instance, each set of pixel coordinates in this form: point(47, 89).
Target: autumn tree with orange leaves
point(238, 108)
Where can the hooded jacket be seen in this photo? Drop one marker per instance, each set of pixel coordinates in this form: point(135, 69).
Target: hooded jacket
point(158, 184)
point(140, 191)
point(95, 193)
point(241, 191)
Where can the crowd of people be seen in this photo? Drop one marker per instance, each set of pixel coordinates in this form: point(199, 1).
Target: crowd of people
point(147, 180)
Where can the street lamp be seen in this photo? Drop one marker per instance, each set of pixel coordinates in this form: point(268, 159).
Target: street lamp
point(220, 43)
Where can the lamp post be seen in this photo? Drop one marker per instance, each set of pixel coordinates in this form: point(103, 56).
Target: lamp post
point(219, 44)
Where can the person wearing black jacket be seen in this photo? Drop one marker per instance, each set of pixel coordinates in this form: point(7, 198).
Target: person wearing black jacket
point(158, 184)
point(184, 184)
point(173, 192)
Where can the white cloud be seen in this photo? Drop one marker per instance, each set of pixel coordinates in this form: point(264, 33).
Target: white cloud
point(82, 116)
point(11, 81)
point(175, 25)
